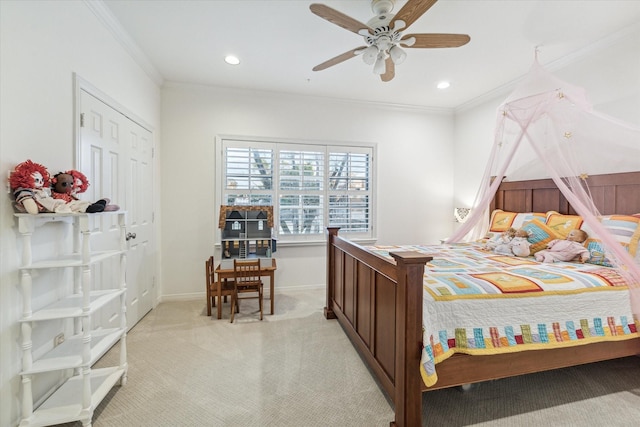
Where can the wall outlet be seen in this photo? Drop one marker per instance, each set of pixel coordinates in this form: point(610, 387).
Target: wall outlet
point(59, 339)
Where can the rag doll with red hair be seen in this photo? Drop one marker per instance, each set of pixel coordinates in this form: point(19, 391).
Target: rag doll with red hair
point(68, 185)
point(29, 183)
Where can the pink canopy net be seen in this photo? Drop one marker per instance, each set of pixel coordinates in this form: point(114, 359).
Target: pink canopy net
point(547, 128)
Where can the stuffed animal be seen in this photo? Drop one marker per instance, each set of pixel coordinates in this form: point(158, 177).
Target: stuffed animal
point(500, 239)
point(520, 245)
point(67, 185)
point(29, 182)
point(565, 250)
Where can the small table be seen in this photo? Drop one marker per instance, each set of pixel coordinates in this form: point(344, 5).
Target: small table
point(227, 273)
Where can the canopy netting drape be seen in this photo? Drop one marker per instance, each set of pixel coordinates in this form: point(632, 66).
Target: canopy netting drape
point(546, 128)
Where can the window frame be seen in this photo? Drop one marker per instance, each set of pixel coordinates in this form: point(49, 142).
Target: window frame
point(282, 144)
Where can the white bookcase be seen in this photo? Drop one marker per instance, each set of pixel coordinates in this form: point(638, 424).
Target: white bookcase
point(80, 388)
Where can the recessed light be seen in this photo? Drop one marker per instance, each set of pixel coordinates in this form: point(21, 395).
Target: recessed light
point(443, 85)
point(231, 60)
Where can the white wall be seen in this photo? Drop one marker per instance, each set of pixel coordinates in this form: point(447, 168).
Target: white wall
point(414, 176)
point(42, 43)
point(610, 74)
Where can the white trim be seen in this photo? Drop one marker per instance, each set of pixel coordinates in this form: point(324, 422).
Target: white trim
point(299, 239)
point(79, 85)
point(386, 106)
point(111, 23)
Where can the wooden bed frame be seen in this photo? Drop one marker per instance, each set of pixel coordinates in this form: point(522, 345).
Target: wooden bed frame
point(379, 303)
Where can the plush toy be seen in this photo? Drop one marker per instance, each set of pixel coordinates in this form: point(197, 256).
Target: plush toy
point(29, 182)
point(67, 185)
point(501, 239)
point(565, 250)
point(520, 245)
point(510, 242)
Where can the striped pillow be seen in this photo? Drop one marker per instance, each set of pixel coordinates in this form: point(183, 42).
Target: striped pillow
point(624, 228)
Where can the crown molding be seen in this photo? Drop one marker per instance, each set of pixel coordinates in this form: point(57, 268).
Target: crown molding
point(111, 23)
point(552, 66)
point(299, 97)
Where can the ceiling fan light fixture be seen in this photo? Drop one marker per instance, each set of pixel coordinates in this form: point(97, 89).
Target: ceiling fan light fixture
point(370, 54)
point(231, 60)
point(380, 67)
point(398, 55)
point(383, 34)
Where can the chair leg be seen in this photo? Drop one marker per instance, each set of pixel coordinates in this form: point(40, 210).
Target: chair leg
point(233, 307)
point(209, 298)
point(260, 302)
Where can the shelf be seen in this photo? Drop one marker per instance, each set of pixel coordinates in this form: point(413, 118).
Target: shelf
point(63, 405)
point(69, 354)
point(74, 398)
point(71, 261)
point(71, 306)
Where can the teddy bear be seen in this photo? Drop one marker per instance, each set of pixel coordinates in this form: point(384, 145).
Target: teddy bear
point(67, 185)
point(501, 239)
point(510, 242)
point(565, 250)
point(520, 245)
point(29, 182)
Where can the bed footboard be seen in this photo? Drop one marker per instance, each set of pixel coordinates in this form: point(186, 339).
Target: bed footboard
point(378, 303)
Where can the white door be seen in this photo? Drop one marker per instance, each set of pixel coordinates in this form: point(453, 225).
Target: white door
point(116, 153)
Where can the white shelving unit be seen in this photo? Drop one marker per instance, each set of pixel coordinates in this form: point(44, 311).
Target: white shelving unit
point(82, 388)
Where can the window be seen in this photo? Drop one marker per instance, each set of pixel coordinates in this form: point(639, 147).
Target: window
point(311, 186)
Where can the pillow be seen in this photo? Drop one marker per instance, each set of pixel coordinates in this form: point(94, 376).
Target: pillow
point(523, 218)
point(624, 228)
point(597, 253)
point(501, 220)
point(563, 224)
point(539, 235)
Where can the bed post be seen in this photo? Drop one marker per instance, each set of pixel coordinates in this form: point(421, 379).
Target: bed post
point(332, 232)
point(408, 384)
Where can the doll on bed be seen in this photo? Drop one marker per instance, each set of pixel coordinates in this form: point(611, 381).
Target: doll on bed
point(565, 250)
point(500, 239)
point(519, 245)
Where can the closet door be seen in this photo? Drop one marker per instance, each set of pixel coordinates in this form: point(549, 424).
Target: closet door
point(116, 153)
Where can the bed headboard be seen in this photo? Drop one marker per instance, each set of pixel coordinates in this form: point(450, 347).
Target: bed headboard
point(617, 193)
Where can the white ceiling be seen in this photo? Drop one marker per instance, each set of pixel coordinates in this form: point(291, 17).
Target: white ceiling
point(280, 41)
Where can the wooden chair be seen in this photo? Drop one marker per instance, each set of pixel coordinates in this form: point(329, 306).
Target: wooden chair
point(212, 286)
point(247, 279)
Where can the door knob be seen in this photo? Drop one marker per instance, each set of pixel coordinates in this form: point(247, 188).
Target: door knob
point(131, 236)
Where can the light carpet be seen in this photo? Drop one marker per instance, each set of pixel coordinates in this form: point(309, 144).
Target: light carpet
point(295, 368)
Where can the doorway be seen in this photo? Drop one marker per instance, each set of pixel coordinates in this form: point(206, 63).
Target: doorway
point(115, 151)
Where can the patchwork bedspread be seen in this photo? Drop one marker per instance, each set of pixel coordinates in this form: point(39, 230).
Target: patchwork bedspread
point(477, 302)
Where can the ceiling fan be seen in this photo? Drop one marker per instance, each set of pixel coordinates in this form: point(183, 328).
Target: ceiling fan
point(383, 35)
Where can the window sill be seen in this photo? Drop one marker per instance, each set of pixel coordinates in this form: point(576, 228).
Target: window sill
point(316, 242)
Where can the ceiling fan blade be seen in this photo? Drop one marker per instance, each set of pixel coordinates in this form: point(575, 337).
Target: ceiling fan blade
point(338, 18)
point(412, 10)
point(436, 40)
point(390, 71)
point(338, 59)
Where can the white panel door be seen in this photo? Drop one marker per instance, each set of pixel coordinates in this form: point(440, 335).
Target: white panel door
point(115, 153)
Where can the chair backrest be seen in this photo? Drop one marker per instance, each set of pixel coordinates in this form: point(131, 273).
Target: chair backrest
point(246, 272)
point(209, 274)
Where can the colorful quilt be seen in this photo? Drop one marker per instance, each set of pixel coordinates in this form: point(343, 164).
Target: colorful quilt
point(476, 302)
